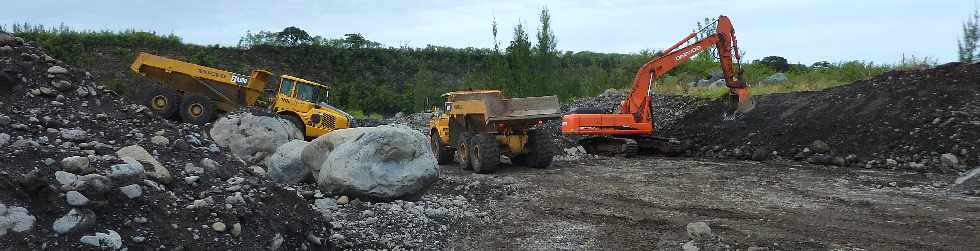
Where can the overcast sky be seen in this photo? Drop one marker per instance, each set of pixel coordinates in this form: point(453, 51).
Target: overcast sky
point(801, 31)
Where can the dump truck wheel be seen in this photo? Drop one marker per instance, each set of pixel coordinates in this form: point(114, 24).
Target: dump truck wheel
point(484, 153)
point(197, 110)
point(162, 101)
point(462, 153)
point(541, 150)
point(443, 155)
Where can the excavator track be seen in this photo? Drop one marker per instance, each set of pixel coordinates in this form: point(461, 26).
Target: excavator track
point(610, 146)
point(630, 146)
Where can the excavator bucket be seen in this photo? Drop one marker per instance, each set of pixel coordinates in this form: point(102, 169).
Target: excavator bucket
point(740, 102)
point(745, 101)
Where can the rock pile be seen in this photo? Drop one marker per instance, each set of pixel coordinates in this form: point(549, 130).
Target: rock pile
point(417, 121)
point(86, 168)
point(919, 120)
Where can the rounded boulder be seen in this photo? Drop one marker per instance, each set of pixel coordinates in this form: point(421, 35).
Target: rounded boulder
point(383, 163)
point(253, 135)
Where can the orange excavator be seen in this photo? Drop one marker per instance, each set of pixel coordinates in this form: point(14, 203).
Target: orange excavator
point(631, 128)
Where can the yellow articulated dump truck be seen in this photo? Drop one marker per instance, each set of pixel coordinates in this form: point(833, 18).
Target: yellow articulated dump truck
point(198, 94)
point(478, 127)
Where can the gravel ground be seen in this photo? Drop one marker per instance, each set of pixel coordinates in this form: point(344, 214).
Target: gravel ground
point(645, 203)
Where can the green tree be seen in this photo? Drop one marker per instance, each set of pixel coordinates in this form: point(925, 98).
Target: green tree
point(774, 62)
point(968, 45)
point(292, 36)
point(519, 60)
point(498, 66)
point(545, 55)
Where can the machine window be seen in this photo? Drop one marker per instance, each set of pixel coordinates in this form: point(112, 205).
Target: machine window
point(287, 87)
point(304, 92)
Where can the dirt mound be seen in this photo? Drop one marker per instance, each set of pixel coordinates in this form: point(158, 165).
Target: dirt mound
point(916, 120)
point(60, 131)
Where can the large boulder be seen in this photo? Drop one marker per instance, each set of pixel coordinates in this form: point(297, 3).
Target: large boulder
point(315, 153)
point(253, 135)
point(384, 163)
point(777, 78)
point(285, 166)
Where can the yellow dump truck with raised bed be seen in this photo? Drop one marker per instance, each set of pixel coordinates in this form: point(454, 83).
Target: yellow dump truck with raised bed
point(479, 126)
point(197, 94)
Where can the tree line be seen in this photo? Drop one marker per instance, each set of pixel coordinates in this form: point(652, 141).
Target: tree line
point(366, 76)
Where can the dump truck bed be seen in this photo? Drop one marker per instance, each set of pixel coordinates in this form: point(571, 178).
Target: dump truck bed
point(530, 108)
point(229, 89)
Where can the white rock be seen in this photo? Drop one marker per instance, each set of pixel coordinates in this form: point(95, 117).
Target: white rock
point(4, 139)
point(385, 162)
point(257, 171)
point(75, 163)
point(949, 160)
point(191, 179)
point(110, 240)
point(699, 231)
point(218, 226)
point(192, 169)
point(127, 173)
point(251, 137)
point(236, 229)
point(16, 219)
point(285, 165)
point(74, 220)
point(160, 140)
point(75, 198)
point(132, 191)
point(138, 153)
point(76, 135)
point(57, 70)
point(65, 178)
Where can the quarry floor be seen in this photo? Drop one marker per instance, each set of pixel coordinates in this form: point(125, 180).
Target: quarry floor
point(644, 203)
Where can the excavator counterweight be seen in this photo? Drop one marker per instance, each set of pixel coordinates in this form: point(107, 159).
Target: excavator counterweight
point(631, 128)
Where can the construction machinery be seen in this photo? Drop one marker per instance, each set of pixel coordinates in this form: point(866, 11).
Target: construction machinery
point(197, 94)
point(631, 128)
point(478, 127)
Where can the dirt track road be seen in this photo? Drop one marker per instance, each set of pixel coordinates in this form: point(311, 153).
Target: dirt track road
point(645, 204)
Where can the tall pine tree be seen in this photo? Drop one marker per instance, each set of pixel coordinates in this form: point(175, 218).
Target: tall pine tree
point(545, 56)
point(519, 60)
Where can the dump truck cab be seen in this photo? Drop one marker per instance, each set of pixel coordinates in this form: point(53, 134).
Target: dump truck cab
point(479, 126)
point(305, 103)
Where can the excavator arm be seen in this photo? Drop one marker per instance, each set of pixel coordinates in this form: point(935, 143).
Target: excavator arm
point(638, 100)
point(631, 128)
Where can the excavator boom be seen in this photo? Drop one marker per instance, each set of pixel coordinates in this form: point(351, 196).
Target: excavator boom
point(633, 123)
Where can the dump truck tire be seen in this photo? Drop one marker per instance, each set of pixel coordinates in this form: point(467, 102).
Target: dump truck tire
point(197, 110)
point(443, 155)
point(462, 153)
point(484, 153)
point(162, 101)
point(541, 150)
